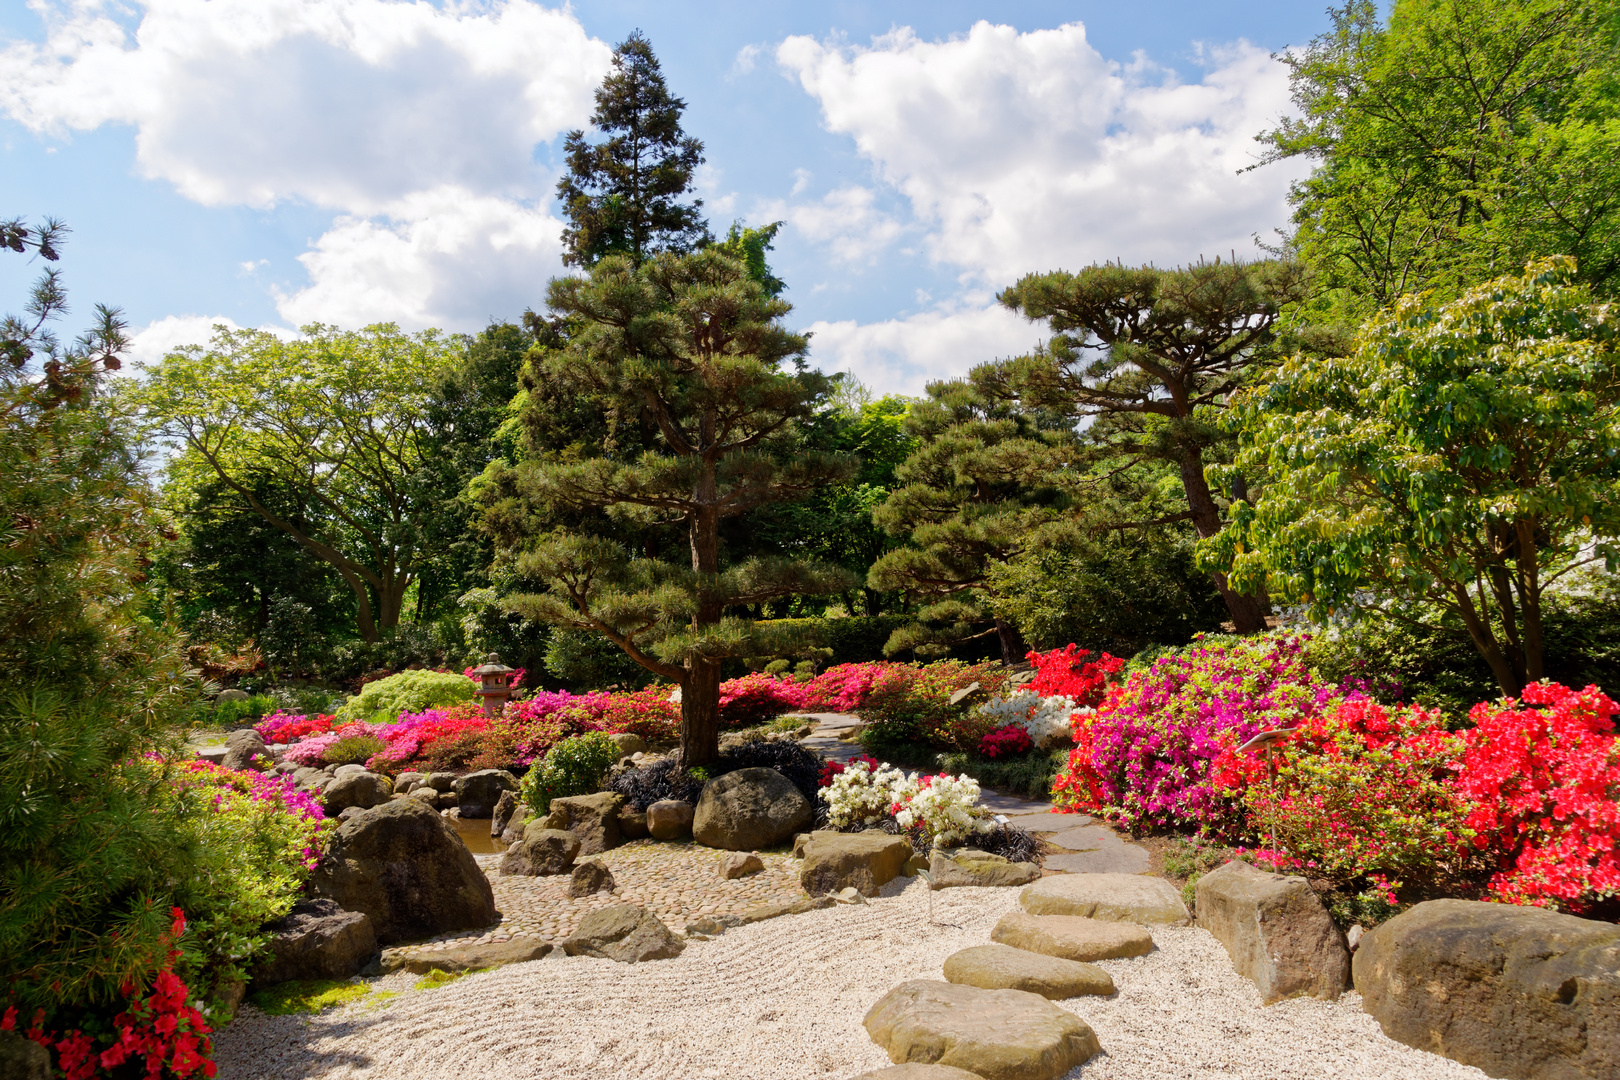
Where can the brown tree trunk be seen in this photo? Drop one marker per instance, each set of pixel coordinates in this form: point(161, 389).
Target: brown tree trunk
point(700, 714)
point(1248, 612)
point(700, 690)
point(1013, 646)
point(1485, 641)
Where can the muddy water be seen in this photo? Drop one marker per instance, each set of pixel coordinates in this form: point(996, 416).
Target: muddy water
point(474, 833)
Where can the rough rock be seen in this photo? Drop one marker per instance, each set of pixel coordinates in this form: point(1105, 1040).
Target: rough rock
point(800, 843)
point(623, 932)
point(541, 851)
point(628, 744)
point(406, 868)
point(309, 779)
point(405, 781)
point(469, 957)
point(1276, 931)
point(232, 694)
point(505, 810)
point(867, 860)
point(969, 866)
point(1515, 991)
point(478, 792)
point(1002, 967)
point(737, 864)
point(590, 877)
point(425, 795)
point(594, 819)
point(441, 781)
point(23, 1059)
point(669, 819)
point(920, 1072)
point(777, 908)
point(350, 812)
point(244, 749)
point(849, 894)
point(632, 823)
point(1072, 937)
point(705, 928)
point(351, 769)
point(521, 820)
point(1118, 897)
point(749, 809)
point(363, 789)
point(317, 939)
point(995, 1034)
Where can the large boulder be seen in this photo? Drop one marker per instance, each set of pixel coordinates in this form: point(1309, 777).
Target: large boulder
point(593, 819)
point(995, 1034)
point(623, 932)
point(541, 851)
point(867, 861)
point(23, 1059)
point(669, 819)
point(1276, 931)
point(405, 867)
point(919, 1072)
point(362, 789)
point(1115, 897)
point(632, 823)
point(1516, 991)
point(316, 940)
point(749, 809)
point(475, 957)
point(1002, 967)
point(969, 866)
point(408, 780)
point(244, 749)
point(506, 808)
point(1072, 937)
point(478, 792)
point(628, 744)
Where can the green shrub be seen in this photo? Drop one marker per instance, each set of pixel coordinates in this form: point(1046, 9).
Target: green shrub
point(575, 766)
point(409, 691)
point(354, 750)
point(235, 713)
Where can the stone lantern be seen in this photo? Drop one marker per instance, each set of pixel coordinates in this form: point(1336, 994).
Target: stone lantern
point(493, 688)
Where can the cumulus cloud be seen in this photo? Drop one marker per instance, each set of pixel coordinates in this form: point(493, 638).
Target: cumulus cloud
point(1030, 151)
point(846, 222)
point(158, 338)
point(901, 356)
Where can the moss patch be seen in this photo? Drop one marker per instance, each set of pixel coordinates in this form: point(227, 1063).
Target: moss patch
point(289, 998)
point(436, 978)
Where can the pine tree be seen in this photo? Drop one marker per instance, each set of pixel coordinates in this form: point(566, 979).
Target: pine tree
point(622, 195)
point(690, 351)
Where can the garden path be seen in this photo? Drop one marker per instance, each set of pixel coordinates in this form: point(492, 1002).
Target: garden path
point(1087, 848)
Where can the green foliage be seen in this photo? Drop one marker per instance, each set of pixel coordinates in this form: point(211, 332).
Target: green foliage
point(313, 996)
point(621, 195)
point(911, 705)
point(1454, 140)
point(585, 661)
point(748, 246)
point(1029, 775)
point(575, 766)
point(1465, 455)
point(409, 691)
point(354, 750)
point(237, 712)
point(437, 978)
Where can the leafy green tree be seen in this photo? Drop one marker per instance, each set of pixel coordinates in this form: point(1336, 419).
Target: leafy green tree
point(1145, 359)
point(1462, 138)
point(748, 246)
point(338, 420)
point(1466, 454)
point(622, 195)
point(977, 490)
point(694, 349)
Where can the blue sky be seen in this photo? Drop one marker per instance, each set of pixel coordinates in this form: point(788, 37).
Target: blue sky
point(277, 162)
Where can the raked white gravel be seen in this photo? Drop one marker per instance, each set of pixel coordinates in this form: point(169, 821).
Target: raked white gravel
point(785, 998)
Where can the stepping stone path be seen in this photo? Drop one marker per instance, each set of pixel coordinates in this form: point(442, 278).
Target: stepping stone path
point(1113, 897)
point(1072, 937)
point(1002, 967)
point(996, 1034)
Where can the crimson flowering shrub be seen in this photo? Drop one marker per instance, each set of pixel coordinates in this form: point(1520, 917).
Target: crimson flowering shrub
point(843, 688)
point(1067, 672)
point(908, 703)
point(280, 727)
point(758, 697)
point(1144, 757)
point(1542, 776)
point(1010, 739)
point(832, 768)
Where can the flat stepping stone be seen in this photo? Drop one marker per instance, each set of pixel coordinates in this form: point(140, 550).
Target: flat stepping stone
point(1072, 937)
point(1003, 967)
point(1125, 859)
point(1116, 897)
point(920, 1072)
point(969, 866)
point(1086, 838)
point(454, 961)
point(995, 1034)
point(1012, 804)
point(1047, 821)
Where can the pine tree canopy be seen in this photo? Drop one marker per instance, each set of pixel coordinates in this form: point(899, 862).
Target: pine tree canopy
point(691, 349)
point(622, 195)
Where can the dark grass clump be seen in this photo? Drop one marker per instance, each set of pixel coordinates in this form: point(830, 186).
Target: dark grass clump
point(801, 767)
point(1011, 843)
point(653, 783)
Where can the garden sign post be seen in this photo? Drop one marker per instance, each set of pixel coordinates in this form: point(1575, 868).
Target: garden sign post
point(1263, 743)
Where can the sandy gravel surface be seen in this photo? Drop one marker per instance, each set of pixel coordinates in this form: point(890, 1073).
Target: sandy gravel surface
point(785, 998)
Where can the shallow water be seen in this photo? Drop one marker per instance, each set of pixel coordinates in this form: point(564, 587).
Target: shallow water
point(474, 832)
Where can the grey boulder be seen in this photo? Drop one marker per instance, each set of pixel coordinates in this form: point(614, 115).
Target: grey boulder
point(632, 823)
point(669, 819)
point(995, 1034)
point(244, 749)
point(749, 809)
point(623, 932)
point(593, 819)
point(478, 792)
point(316, 940)
point(23, 1059)
point(866, 861)
point(356, 789)
point(738, 864)
point(541, 851)
point(1276, 931)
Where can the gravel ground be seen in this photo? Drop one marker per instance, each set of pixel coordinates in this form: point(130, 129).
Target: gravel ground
point(785, 998)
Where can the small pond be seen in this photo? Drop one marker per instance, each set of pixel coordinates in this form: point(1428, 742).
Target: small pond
point(474, 833)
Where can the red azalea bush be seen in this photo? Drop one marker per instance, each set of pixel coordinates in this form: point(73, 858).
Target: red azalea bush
point(1011, 739)
point(280, 727)
point(907, 703)
point(832, 768)
point(1543, 776)
point(1066, 671)
point(757, 698)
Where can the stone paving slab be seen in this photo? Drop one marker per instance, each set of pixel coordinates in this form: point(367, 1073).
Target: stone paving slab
point(1086, 838)
point(1048, 822)
point(1124, 859)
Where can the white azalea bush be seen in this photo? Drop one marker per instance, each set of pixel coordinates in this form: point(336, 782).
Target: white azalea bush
point(1046, 719)
point(946, 807)
point(861, 795)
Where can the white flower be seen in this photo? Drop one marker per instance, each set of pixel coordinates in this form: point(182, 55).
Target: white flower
point(1046, 719)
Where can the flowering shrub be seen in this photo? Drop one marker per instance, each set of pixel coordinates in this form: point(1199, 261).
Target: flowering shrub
point(756, 698)
point(312, 750)
point(944, 807)
point(832, 767)
point(843, 688)
point(1068, 673)
point(1543, 776)
point(283, 727)
point(1044, 720)
point(1011, 739)
point(1358, 790)
point(1144, 757)
point(864, 793)
point(907, 703)
point(573, 767)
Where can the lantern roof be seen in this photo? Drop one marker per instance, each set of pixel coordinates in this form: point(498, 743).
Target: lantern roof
point(492, 666)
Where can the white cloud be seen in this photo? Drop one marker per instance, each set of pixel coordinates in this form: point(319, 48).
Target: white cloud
point(846, 222)
point(347, 104)
point(1027, 152)
point(445, 257)
point(900, 356)
point(158, 338)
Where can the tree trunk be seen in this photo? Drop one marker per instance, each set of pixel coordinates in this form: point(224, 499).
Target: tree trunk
point(1013, 646)
point(1485, 641)
point(1248, 612)
point(700, 690)
point(700, 714)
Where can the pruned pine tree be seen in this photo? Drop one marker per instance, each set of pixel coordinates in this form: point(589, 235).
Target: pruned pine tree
point(1146, 359)
point(978, 489)
point(694, 349)
point(622, 195)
